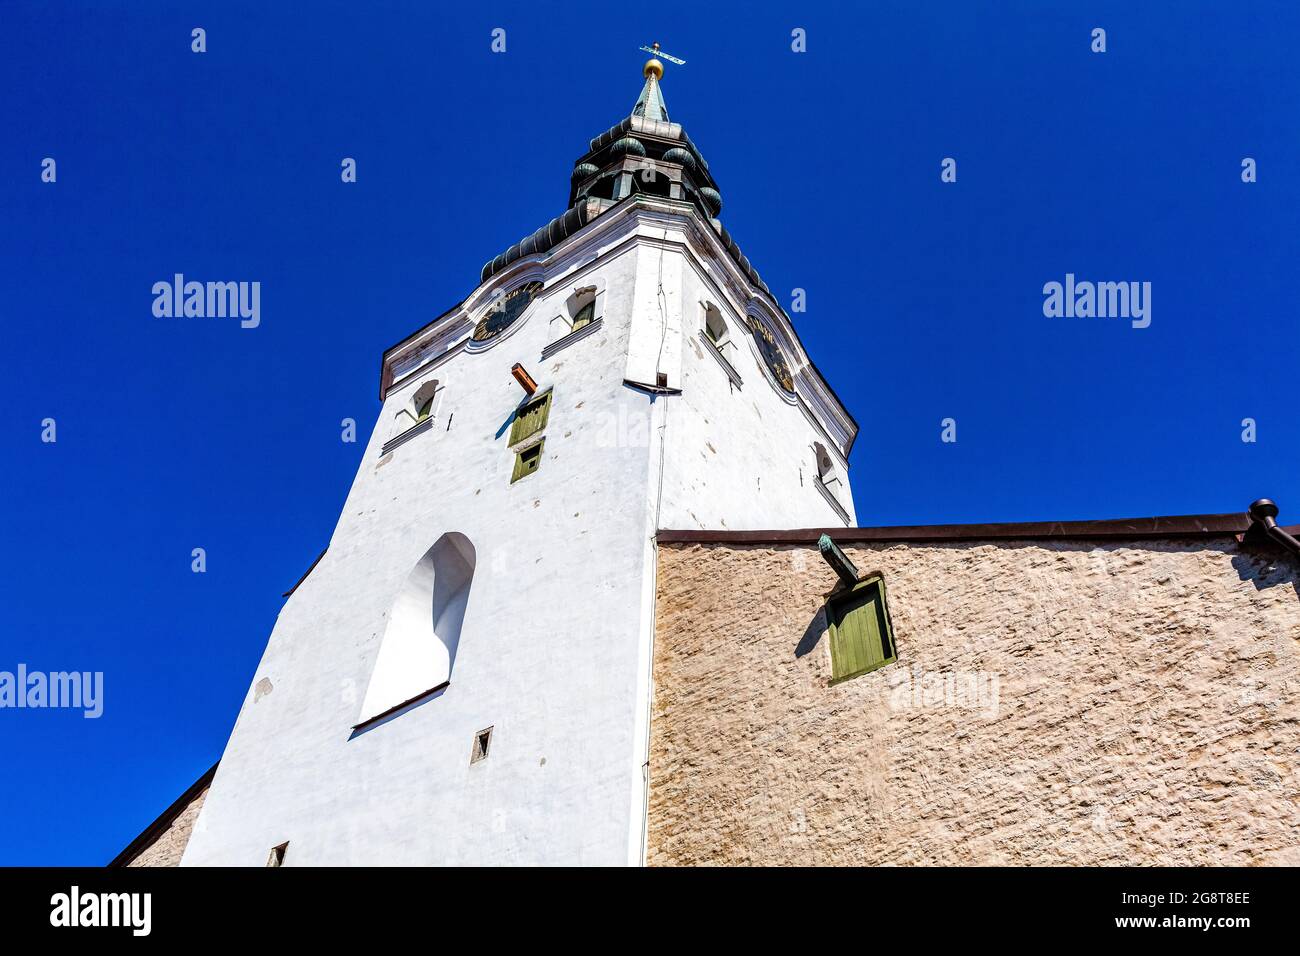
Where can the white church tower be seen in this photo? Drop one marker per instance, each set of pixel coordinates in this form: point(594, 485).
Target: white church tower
point(464, 676)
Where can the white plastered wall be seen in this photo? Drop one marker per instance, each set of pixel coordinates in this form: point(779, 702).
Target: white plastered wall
point(554, 648)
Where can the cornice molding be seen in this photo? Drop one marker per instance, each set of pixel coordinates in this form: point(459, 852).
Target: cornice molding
point(611, 233)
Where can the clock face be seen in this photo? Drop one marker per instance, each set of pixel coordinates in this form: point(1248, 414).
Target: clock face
point(504, 311)
point(772, 354)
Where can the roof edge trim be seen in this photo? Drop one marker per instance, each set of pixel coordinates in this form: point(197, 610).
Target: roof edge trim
point(1170, 526)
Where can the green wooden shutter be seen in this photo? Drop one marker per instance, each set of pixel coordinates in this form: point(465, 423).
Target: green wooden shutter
point(530, 419)
point(861, 638)
point(425, 409)
point(527, 461)
point(543, 412)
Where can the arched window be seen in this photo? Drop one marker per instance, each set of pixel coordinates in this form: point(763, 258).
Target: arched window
point(715, 326)
point(829, 480)
point(653, 182)
point(715, 333)
point(826, 470)
point(581, 306)
point(419, 646)
point(585, 314)
point(421, 406)
point(582, 310)
point(424, 400)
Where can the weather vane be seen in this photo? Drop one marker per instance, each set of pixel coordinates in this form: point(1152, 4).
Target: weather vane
point(658, 52)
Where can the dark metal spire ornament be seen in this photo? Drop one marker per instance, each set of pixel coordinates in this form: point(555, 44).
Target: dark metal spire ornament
point(667, 56)
point(650, 103)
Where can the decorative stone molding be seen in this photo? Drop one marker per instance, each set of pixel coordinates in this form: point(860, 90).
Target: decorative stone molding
point(418, 429)
point(832, 501)
point(722, 359)
point(564, 341)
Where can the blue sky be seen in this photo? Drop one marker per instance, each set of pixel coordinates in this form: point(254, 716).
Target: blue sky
point(924, 298)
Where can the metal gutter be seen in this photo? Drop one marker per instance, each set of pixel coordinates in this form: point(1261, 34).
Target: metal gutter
point(1263, 515)
point(1174, 526)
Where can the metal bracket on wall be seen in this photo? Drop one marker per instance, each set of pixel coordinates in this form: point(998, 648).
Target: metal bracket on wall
point(1264, 526)
point(838, 560)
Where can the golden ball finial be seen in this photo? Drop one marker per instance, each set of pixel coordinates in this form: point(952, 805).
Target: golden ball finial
point(653, 68)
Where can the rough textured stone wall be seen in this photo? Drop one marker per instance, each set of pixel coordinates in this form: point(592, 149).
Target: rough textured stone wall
point(167, 849)
point(1113, 704)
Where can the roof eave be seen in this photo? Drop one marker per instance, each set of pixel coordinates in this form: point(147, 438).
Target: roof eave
point(1167, 526)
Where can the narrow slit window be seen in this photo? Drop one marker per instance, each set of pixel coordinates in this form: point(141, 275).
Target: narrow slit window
point(527, 461)
point(862, 638)
point(482, 741)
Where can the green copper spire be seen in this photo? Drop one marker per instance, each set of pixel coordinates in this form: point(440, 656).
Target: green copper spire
point(650, 103)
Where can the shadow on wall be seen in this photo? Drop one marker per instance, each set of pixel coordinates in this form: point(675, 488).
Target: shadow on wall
point(1263, 566)
point(419, 645)
point(1267, 568)
point(812, 634)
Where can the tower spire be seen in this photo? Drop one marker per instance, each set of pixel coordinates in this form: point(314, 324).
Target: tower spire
point(650, 103)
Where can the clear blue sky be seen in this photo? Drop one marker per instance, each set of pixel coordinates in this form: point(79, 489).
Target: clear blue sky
point(924, 298)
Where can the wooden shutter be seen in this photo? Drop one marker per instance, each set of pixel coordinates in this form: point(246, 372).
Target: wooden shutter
point(527, 461)
point(533, 458)
point(531, 419)
point(861, 638)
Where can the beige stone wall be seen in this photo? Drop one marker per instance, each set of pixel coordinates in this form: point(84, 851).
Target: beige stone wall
point(166, 850)
point(1147, 708)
